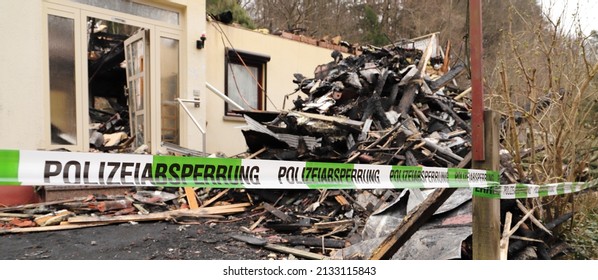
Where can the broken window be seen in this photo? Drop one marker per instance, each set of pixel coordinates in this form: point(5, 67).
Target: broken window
point(63, 94)
point(245, 80)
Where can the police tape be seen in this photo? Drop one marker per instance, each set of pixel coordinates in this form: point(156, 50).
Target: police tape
point(25, 167)
point(514, 191)
point(39, 168)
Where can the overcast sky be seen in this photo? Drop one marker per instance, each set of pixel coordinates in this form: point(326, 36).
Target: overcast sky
point(588, 12)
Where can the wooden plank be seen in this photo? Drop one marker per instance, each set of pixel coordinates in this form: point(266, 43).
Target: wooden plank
point(328, 225)
point(257, 223)
point(421, 66)
point(330, 118)
point(191, 199)
point(504, 241)
point(447, 78)
point(51, 228)
point(208, 212)
point(140, 218)
point(532, 218)
point(16, 215)
point(314, 241)
point(518, 245)
point(295, 252)
point(281, 215)
point(463, 94)
point(35, 205)
point(460, 122)
point(216, 197)
point(283, 249)
point(420, 115)
point(257, 153)
point(411, 223)
point(486, 211)
point(447, 55)
point(53, 218)
point(388, 132)
point(407, 99)
point(477, 85)
point(341, 200)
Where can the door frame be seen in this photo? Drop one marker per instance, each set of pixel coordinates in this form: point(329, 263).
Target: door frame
point(156, 29)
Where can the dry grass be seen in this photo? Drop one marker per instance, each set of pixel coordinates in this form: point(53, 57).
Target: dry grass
point(582, 234)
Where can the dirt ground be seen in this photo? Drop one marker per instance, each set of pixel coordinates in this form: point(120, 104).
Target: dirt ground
point(142, 241)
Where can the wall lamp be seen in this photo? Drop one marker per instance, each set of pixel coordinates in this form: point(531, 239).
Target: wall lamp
point(201, 42)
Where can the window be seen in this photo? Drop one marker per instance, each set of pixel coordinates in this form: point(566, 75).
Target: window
point(63, 98)
point(169, 89)
point(133, 8)
point(245, 80)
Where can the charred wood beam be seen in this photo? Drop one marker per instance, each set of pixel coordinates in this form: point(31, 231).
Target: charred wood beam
point(460, 122)
point(394, 91)
point(519, 245)
point(410, 159)
point(446, 78)
point(410, 224)
point(408, 98)
point(419, 114)
point(443, 151)
point(379, 150)
point(374, 105)
point(314, 242)
point(378, 141)
point(281, 215)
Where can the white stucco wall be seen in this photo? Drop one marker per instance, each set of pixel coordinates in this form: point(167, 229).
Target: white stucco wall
point(193, 63)
point(21, 75)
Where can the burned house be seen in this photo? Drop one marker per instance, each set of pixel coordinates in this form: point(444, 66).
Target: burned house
point(105, 75)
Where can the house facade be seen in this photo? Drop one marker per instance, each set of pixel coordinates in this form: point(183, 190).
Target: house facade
point(70, 66)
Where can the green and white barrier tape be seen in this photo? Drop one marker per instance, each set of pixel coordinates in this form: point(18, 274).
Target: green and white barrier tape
point(22, 167)
point(513, 191)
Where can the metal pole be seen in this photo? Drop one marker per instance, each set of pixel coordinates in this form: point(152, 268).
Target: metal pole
point(203, 132)
point(223, 96)
point(477, 75)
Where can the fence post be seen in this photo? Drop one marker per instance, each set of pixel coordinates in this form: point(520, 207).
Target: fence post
point(486, 211)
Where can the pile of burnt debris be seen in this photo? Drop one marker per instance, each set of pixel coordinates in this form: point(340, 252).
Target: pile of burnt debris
point(394, 105)
point(317, 224)
point(390, 105)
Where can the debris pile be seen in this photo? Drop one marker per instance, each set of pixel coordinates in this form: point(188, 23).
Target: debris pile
point(98, 209)
point(389, 105)
point(394, 105)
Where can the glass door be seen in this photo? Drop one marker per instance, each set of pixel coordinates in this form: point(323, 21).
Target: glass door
point(137, 56)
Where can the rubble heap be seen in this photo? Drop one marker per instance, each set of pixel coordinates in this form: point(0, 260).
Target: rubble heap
point(388, 105)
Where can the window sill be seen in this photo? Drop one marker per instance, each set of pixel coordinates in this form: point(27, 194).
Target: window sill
point(233, 118)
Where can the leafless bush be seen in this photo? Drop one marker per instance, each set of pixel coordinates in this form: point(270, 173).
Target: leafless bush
point(544, 85)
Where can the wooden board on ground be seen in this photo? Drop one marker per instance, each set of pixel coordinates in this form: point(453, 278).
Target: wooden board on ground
point(208, 212)
point(191, 199)
point(51, 228)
